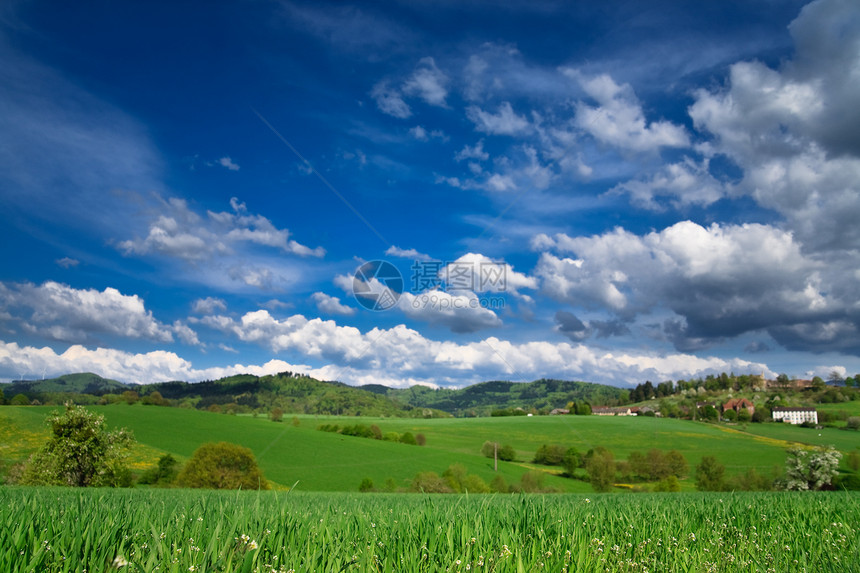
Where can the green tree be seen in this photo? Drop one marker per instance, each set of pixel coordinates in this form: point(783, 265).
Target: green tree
point(366, 485)
point(408, 438)
point(811, 469)
point(744, 415)
point(2, 401)
point(277, 414)
point(710, 474)
point(430, 482)
point(222, 466)
point(20, 400)
point(549, 455)
point(600, 466)
point(572, 460)
point(130, 397)
point(670, 484)
point(854, 460)
point(80, 452)
point(421, 439)
point(853, 423)
point(163, 474)
point(676, 463)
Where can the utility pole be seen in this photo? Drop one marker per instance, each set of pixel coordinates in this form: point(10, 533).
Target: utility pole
point(495, 456)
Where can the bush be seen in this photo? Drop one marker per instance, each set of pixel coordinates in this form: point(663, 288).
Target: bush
point(670, 484)
point(709, 474)
point(80, 452)
point(600, 465)
point(222, 466)
point(276, 415)
point(549, 455)
point(430, 482)
point(163, 474)
point(420, 439)
point(853, 423)
point(366, 485)
point(408, 438)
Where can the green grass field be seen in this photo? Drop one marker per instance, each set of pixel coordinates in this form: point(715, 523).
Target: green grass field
point(64, 530)
point(322, 461)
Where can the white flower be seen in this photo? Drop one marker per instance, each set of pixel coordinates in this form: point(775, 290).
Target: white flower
point(119, 561)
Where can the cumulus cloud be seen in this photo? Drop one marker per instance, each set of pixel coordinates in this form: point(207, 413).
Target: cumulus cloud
point(795, 131)
point(721, 281)
point(394, 251)
point(208, 305)
point(479, 273)
point(686, 183)
point(144, 368)
point(403, 353)
point(504, 122)
point(460, 311)
point(331, 304)
point(390, 100)
point(182, 233)
point(619, 120)
point(428, 82)
point(60, 312)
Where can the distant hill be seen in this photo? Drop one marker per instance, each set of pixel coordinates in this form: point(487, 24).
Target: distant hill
point(295, 393)
point(82, 383)
point(481, 399)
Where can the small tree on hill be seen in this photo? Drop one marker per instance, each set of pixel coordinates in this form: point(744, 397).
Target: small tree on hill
point(163, 474)
point(20, 400)
point(80, 452)
point(709, 474)
point(277, 414)
point(222, 466)
point(811, 470)
point(600, 465)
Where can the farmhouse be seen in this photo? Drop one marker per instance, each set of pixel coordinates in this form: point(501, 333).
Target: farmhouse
point(795, 415)
point(609, 411)
point(738, 404)
point(559, 411)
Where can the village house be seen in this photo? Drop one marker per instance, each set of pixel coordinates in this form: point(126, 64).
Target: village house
point(609, 411)
point(559, 411)
point(795, 415)
point(738, 404)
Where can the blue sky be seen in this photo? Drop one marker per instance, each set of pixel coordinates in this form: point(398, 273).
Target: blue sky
point(607, 192)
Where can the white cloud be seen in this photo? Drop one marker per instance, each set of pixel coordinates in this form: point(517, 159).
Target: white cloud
point(331, 304)
point(67, 262)
point(394, 251)
point(460, 311)
point(208, 305)
point(228, 163)
point(504, 122)
point(479, 273)
point(794, 130)
point(473, 152)
point(186, 334)
point(402, 353)
point(722, 280)
point(60, 312)
point(390, 101)
point(619, 120)
point(180, 232)
point(156, 366)
point(686, 182)
point(428, 82)
point(419, 133)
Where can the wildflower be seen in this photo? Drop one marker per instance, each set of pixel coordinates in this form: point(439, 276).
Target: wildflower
point(119, 561)
point(252, 545)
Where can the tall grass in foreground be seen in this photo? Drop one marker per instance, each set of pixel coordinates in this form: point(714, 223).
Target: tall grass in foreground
point(46, 529)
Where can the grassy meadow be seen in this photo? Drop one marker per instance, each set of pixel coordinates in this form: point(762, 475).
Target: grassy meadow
point(322, 461)
point(64, 530)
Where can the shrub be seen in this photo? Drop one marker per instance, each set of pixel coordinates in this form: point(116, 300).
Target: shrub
point(549, 455)
point(853, 423)
point(222, 466)
point(670, 484)
point(366, 485)
point(430, 482)
point(408, 438)
point(709, 474)
point(276, 415)
point(420, 439)
point(163, 474)
point(80, 452)
point(600, 465)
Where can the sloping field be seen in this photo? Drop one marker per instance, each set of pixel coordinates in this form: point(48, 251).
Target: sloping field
point(322, 461)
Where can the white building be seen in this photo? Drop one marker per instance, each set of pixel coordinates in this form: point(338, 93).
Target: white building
point(795, 415)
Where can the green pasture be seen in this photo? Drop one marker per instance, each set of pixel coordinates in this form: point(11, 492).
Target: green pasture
point(323, 461)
